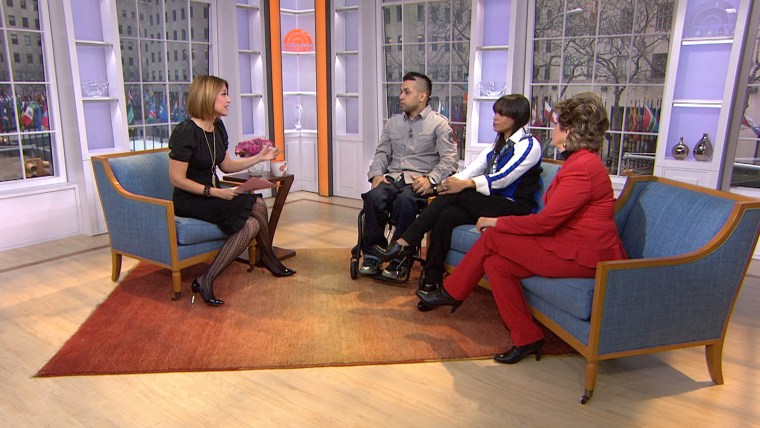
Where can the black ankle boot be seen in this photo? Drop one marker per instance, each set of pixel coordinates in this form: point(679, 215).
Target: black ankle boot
point(206, 293)
point(517, 353)
point(440, 297)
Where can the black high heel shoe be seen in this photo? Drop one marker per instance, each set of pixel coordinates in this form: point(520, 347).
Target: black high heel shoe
point(393, 251)
point(273, 265)
point(206, 293)
point(439, 297)
point(517, 353)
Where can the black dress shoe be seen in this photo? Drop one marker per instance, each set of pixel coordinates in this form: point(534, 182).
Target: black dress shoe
point(394, 251)
point(517, 353)
point(206, 293)
point(440, 297)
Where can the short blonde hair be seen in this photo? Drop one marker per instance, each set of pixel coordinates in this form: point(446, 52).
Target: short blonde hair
point(202, 96)
point(585, 116)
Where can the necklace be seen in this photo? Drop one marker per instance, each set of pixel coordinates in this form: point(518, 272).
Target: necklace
point(213, 155)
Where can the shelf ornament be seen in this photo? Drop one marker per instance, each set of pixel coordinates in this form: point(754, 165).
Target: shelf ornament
point(298, 40)
point(680, 151)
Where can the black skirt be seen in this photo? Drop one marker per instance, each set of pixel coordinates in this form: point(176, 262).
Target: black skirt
point(230, 215)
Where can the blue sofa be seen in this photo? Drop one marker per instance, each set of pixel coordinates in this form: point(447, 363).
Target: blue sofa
point(136, 197)
point(689, 248)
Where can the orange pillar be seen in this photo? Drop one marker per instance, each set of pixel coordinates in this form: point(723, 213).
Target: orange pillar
point(278, 133)
point(323, 149)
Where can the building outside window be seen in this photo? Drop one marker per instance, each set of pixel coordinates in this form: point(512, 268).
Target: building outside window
point(159, 62)
point(28, 141)
point(430, 37)
point(615, 48)
point(745, 170)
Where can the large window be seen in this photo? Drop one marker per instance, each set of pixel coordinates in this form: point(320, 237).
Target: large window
point(430, 37)
point(164, 44)
point(27, 139)
point(615, 48)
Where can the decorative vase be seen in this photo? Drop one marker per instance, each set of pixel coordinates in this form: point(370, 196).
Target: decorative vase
point(680, 151)
point(703, 150)
point(257, 169)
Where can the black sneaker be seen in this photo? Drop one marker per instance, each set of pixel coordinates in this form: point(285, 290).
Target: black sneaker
point(370, 266)
point(396, 270)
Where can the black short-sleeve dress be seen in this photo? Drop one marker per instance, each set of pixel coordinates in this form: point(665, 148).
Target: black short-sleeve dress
point(190, 143)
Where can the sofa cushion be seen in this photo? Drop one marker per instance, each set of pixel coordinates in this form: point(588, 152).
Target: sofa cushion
point(193, 231)
point(572, 295)
point(462, 237)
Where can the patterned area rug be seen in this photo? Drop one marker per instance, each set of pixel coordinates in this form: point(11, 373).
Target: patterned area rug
point(318, 317)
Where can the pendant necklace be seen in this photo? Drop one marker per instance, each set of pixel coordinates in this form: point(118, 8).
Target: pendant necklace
point(213, 155)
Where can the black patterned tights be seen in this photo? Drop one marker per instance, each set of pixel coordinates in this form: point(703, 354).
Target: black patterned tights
point(256, 226)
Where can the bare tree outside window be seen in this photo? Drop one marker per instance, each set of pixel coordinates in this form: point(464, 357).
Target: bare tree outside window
point(616, 48)
point(156, 65)
point(430, 37)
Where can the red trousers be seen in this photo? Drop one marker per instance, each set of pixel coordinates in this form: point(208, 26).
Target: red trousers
point(506, 259)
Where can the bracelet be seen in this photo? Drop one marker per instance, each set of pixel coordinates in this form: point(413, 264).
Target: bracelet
point(207, 191)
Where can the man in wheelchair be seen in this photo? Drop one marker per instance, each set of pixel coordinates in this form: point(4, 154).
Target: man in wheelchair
point(415, 153)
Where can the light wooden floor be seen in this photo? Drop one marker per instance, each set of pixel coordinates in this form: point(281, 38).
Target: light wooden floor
point(48, 290)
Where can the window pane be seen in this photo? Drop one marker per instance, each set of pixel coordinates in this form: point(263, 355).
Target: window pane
point(393, 65)
point(649, 59)
point(199, 13)
point(414, 58)
point(616, 17)
point(460, 62)
point(152, 67)
point(22, 17)
point(414, 23)
point(176, 24)
point(5, 74)
point(439, 62)
point(127, 10)
point(8, 110)
point(10, 161)
point(746, 165)
point(32, 102)
point(201, 63)
point(130, 61)
point(151, 19)
point(37, 149)
point(546, 60)
point(612, 60)
point(176, 61)
point(392, 24)
point(578, 59)
point(178, 102)
point(391, 103)
point(462, 13)
point(154, 104)
point(26, 62)
point(439, 21)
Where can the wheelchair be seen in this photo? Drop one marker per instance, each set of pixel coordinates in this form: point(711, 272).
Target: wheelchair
point(407, 262)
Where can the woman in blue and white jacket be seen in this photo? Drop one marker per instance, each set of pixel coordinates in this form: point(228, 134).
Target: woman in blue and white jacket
point(503, 180)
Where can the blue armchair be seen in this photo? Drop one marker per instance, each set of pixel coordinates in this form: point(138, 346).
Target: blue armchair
point(136, 197)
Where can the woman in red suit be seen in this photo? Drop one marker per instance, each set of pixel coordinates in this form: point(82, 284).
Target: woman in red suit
point(575, 230)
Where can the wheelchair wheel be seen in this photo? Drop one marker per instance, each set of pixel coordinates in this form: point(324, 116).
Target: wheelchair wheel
point(354, 268)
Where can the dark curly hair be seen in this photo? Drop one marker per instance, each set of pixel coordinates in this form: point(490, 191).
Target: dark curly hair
point(585, 116)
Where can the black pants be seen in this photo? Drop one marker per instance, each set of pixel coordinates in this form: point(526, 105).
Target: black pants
point(449, 211)
point(400, 201)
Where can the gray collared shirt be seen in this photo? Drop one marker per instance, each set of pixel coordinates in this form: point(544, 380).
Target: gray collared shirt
point(423, 146)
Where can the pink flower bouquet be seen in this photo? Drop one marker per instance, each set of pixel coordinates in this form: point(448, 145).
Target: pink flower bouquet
point(249, 148)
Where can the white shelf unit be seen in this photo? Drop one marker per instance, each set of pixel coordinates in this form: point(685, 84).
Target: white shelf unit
point(694, 97)
point(491, 58)
point(299, 92)
point(252, 66)
point(346, 69)
point(95, 52)
point(97, 57)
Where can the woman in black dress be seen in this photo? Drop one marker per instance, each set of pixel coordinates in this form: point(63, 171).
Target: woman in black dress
point(198, 146)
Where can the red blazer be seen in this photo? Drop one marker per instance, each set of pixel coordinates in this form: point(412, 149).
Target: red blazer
point(578, 219)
